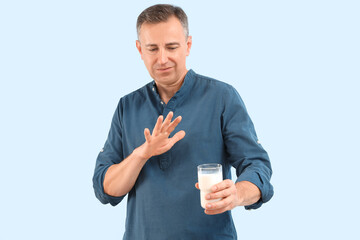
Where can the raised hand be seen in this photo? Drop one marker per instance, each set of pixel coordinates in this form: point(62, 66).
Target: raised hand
point(159, 142)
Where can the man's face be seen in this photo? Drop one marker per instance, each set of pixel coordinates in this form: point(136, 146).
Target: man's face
point(164, 48)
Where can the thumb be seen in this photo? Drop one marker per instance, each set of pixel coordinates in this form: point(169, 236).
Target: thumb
point(178, 136)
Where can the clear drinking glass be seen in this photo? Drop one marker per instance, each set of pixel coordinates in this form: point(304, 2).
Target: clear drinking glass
point(208, 175)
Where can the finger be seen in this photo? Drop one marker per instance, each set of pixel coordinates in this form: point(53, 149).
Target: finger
point(197, 185)
point(221, 194)
point(223, 203)
point(214, 212)
point(157, 126)
point(222, 185)
point(177, 137)
point(166, 122)
point(147, 135)
point(174, 124)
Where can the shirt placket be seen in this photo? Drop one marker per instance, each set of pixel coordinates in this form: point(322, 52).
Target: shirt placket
point(164, 159)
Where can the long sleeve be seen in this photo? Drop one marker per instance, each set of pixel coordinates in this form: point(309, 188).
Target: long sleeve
point(112, 153)
point(244, 152)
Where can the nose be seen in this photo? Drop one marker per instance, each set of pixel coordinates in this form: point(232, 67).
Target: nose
point(163, 57)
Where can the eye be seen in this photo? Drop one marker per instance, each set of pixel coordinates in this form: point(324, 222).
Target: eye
point(152, 49)
point(172, 48)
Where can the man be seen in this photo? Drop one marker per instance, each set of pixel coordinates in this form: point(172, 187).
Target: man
point(158, 168)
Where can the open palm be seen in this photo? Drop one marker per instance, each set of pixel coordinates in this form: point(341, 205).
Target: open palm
point(159, 142)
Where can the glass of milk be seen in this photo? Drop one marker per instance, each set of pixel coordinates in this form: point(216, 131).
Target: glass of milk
point(208, 175)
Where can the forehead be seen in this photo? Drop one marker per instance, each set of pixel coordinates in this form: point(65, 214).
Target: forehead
point(169, 31)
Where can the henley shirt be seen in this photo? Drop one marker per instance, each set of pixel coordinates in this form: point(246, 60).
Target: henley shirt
point(164, 203)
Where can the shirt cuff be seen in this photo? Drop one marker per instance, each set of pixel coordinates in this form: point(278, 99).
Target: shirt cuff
point(104, 197)
point(262, 183)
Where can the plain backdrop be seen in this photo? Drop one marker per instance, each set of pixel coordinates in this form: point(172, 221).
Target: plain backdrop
point(65, 64)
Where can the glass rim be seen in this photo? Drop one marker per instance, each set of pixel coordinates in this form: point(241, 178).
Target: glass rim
point(209, 166)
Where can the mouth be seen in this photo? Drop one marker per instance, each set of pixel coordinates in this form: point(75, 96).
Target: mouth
point(164, 69)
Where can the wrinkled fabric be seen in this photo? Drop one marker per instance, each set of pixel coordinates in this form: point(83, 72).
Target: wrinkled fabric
point(164, 203)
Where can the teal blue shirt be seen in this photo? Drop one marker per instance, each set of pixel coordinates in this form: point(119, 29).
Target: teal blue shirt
point(164, 203)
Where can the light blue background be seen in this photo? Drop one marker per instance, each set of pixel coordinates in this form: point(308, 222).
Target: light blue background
point(65, 64)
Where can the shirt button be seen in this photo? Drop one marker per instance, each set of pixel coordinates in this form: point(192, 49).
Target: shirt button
point(153, 89)
point(161, 102)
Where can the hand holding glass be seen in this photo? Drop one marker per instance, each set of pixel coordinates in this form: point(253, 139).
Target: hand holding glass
point(208, 176)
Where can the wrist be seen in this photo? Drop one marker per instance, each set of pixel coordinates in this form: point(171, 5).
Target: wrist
point(247, 193)
point(240, 194)
point(140, 153)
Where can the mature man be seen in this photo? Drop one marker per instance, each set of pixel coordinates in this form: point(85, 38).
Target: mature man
point(157, 169)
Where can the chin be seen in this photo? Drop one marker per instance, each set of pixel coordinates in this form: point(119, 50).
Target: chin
point(164, 78)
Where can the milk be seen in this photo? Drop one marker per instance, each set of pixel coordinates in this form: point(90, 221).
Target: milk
point(206, 181)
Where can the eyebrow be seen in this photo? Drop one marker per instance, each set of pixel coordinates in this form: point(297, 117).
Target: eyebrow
point(172, 43)
point(150, 45)
point(167, 44)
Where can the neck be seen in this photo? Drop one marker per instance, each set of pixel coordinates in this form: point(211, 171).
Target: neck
point(167, 91)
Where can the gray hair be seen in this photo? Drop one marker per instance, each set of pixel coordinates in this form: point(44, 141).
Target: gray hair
point(161, 13)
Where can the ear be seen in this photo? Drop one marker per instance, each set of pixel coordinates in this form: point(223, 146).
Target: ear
point(189, 44)
point(138, 46)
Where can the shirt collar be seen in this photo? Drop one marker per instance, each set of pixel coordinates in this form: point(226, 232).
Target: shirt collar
point(185, 87)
